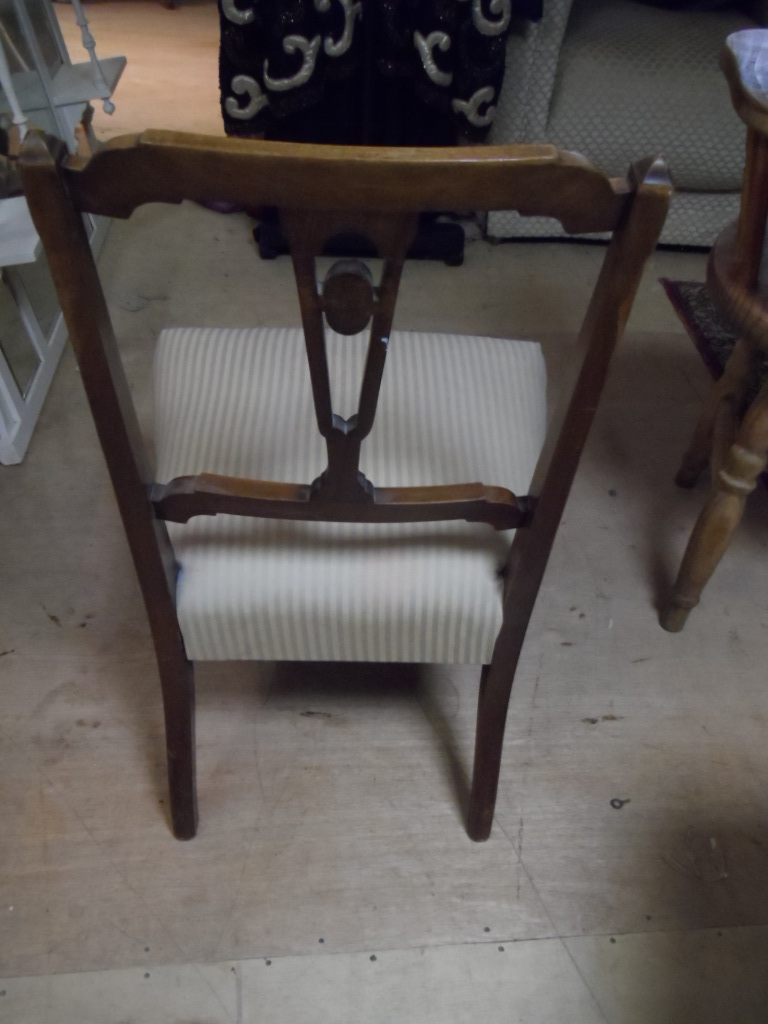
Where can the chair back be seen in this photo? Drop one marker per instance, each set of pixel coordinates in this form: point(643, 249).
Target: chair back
point(322, 192)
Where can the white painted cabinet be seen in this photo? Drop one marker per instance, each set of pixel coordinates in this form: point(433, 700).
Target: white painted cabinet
point(41, 87)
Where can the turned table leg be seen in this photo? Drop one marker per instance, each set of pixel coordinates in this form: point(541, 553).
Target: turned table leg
point(743, 463)
point(730, 386)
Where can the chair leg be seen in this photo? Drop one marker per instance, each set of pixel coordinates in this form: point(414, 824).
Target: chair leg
point(732, 383)
point(524, 572)
point(178, 687)
point(493, 701)
point(743, 463)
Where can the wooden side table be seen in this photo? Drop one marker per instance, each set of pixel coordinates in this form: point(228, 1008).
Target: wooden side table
point(731, 431)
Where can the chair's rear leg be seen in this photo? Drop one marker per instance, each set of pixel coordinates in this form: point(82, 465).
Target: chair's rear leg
point(178, 687)
point(525, 569)
point(492, 705)
point(524, 577)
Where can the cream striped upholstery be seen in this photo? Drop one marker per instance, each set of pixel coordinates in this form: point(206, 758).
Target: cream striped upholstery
point(238, 402)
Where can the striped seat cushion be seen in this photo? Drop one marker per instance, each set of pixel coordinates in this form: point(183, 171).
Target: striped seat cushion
point(452, 409)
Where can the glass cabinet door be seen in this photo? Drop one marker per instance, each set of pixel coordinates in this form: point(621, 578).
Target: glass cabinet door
point(17, 49)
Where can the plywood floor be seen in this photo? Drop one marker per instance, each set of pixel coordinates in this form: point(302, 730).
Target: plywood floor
point(331, 879)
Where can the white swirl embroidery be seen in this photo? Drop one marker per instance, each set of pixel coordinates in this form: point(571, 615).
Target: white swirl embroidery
point(244, 85)
point(471, 108)
point(484, 25)
point(295, 44)
point(338, 47)
point(234, 14)
point(425, 46)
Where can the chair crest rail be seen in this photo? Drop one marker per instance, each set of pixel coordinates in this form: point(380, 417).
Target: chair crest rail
point(164, 166)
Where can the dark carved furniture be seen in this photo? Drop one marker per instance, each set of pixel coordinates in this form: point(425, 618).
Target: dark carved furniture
point(351, 543)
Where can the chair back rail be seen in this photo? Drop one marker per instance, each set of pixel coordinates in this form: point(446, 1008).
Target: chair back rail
point(163, 166)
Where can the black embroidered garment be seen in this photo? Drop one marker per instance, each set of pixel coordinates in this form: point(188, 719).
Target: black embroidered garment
point(386, 72)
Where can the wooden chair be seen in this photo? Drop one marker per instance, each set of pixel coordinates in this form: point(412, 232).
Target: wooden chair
point(332, 540)
point(731, 429)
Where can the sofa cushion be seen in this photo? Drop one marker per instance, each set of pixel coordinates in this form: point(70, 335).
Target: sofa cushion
point(634, 80)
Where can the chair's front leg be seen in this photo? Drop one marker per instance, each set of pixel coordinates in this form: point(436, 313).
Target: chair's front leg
point(744, 462)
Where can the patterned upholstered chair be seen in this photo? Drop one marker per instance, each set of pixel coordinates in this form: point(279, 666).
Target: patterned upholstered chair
point(277, 546)
point(608, 78)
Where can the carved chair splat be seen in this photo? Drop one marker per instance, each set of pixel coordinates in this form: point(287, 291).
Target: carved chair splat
point(378, 193)
point(307, 233)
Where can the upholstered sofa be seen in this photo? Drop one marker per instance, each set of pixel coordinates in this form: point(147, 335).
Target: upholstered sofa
point(616, 79)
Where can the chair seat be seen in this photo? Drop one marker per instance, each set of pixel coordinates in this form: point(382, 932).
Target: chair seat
point(452, 409)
